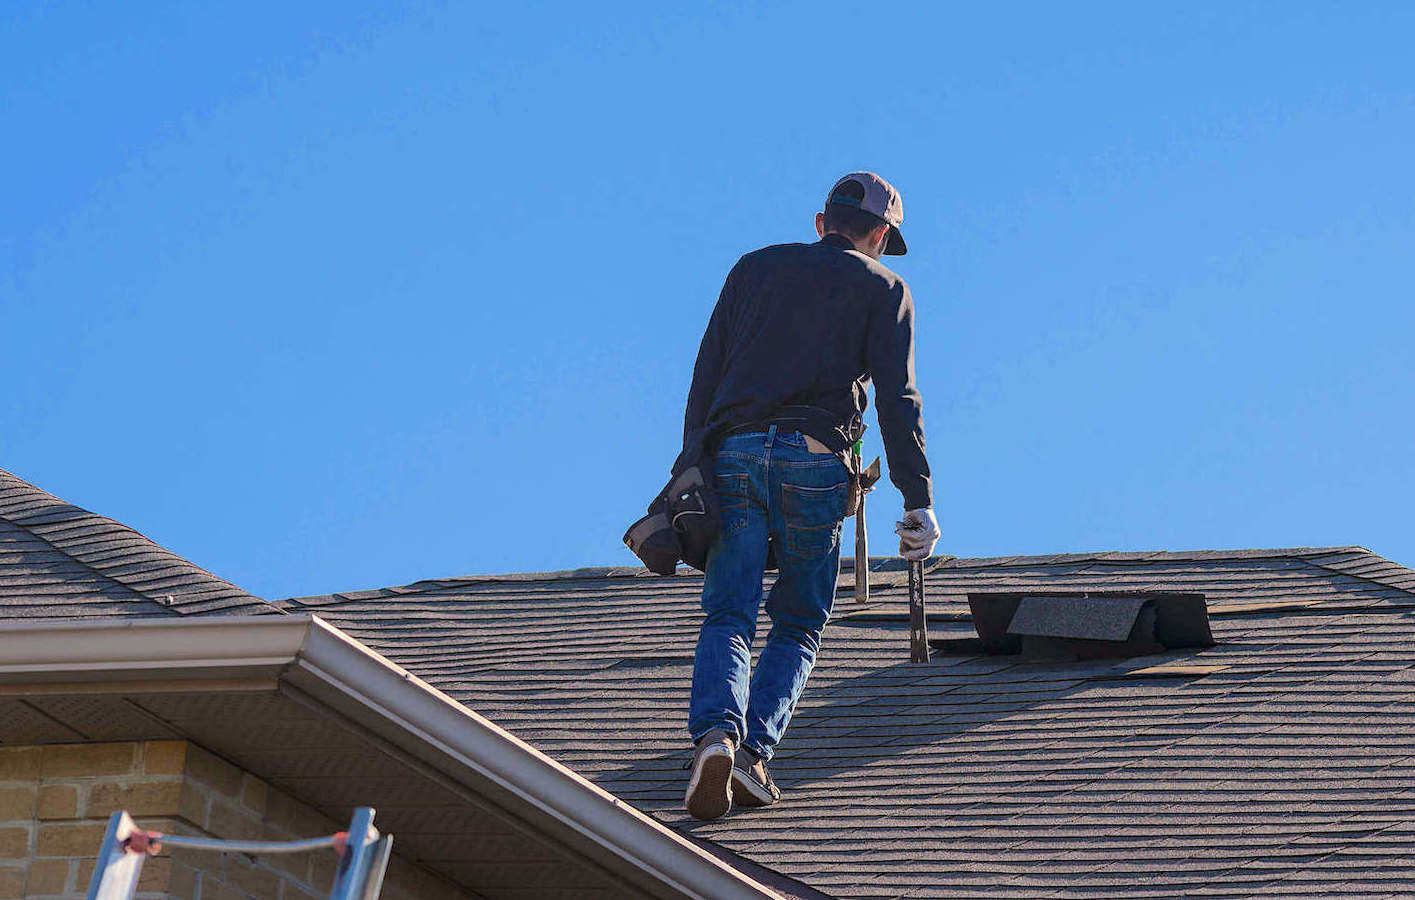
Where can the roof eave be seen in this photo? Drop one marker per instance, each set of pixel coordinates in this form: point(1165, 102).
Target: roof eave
point(305, 654)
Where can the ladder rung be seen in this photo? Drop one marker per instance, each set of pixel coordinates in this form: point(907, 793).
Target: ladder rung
point(254, 848)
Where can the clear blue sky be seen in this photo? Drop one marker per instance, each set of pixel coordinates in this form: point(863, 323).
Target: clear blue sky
point(337, 295)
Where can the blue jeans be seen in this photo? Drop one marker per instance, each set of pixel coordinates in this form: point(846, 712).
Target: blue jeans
point(769, 485)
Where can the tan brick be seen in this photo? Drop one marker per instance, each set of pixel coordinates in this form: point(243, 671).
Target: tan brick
point(57, 801)
point(213, 771)
point(232, 822)
point(69, 839)
point(19, 763)
point(292, 865)
point(14, 842)
point(155, 874)
point(12, 882)
point(252, 879)
point(289, 890)
point(309, 823)
point(170, 825)
point(191, 806)
point(151, 798)
point(211, 889)
point(164, 757)
point(183, 883)
point(48, 877)
point(17, 803)
point(323, 866)
point(192, 859)
point(280, 812)
point(254, 794)
point(69, 760)
point(85, 874)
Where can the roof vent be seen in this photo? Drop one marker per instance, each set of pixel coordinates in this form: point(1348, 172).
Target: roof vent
point(1084, 625)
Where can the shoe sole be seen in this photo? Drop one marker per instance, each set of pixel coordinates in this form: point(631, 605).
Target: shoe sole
point(748, 793)
point(709, 794)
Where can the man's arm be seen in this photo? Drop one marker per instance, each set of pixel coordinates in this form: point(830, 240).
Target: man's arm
point(890, 349)
point(707, 371)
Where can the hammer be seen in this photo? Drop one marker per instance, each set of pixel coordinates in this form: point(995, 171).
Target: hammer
point(918, 623)
point(868, 477)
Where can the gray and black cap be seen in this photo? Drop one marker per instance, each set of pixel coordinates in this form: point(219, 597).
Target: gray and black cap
point(868, 192)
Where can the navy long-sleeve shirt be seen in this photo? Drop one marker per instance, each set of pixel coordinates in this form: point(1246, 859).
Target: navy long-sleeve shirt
point(809, 326)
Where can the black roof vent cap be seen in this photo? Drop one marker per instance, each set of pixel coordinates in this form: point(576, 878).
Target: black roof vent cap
point(1085, 624)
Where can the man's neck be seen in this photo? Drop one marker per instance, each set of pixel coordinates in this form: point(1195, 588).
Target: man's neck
point(849, 243)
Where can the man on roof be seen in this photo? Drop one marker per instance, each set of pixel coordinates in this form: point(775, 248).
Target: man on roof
point(777, 402)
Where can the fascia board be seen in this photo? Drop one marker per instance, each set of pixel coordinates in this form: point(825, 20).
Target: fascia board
point(423, 721)
point(135, 650)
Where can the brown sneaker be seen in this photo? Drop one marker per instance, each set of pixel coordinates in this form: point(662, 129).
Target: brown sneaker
point(709, 794)
point(751, 782)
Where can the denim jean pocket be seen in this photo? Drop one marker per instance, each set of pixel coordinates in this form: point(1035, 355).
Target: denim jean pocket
point(732, 497)
point(812, 517)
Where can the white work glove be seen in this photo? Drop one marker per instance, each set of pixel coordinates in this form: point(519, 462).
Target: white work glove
point(917, 534)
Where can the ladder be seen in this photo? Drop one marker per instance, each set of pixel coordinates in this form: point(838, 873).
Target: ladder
point(362, 862)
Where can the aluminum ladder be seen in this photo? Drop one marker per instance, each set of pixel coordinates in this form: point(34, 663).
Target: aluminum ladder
point(362, 862)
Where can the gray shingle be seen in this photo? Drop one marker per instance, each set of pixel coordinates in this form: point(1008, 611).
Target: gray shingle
point(59, 560)
point(1288, 772)
point(982, 777)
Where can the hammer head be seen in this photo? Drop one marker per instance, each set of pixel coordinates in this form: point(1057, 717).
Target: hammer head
point(870, 476)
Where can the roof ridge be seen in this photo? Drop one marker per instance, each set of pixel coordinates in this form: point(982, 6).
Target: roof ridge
point(1404, 582)
point(51, 520)
point(1147, 555)
point(847, 564)
point(587, 573)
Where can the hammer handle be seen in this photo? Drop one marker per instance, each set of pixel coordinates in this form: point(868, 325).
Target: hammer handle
point(918, 622)
point(862, 555)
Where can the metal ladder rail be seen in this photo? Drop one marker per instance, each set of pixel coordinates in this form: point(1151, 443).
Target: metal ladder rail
point(362, 863)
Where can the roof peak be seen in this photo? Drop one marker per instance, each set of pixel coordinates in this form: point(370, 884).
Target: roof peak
point(117, 554)
point(847, 565)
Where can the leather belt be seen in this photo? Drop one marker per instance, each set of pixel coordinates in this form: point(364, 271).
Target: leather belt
point(812, 444)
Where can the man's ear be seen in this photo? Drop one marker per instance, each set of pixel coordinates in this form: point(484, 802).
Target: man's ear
point(820, 224)
point(881, 235)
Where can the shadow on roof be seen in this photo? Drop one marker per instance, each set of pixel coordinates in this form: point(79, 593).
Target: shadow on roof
point(847, 725)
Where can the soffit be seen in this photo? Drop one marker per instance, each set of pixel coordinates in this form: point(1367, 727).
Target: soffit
point(278, 735)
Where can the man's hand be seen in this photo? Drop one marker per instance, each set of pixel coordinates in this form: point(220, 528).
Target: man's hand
point(917, 534)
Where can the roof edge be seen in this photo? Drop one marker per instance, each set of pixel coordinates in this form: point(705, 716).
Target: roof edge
point(328, 665)
point(332, 661)
point(131, 648)
point(50, 519)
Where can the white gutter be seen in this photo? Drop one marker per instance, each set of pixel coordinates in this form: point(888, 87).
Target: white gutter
point(133, 649)
point(324, 663)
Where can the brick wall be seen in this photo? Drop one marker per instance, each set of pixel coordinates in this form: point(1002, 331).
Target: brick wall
point(55, 801)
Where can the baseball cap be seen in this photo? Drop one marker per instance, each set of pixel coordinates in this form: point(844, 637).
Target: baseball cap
point(871, 193)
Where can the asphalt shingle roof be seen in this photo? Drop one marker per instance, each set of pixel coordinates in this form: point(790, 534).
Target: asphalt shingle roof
point(1280, 762)
point(59, 560)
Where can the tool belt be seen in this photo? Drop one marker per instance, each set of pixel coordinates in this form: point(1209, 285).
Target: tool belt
point(683, 520)
point(838, 441)
point(824, 428)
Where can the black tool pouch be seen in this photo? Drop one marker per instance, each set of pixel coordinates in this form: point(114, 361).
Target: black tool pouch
point(653, 540)
point(693, 508)
point(682, 523)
